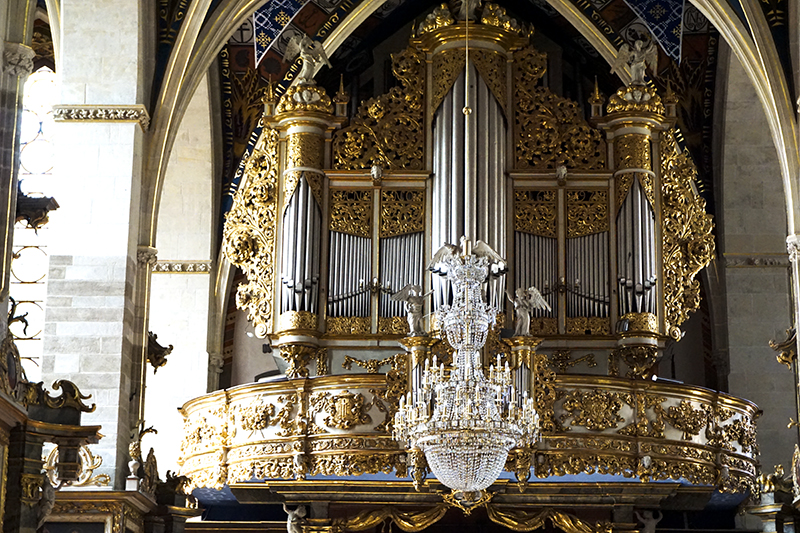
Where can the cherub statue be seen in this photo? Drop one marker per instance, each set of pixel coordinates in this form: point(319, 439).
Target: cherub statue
point(414, 300)
point(648, 520)
point(526, 301)
point(466, 9)
point(311, 52)
point(293, 519)
point(639, 59)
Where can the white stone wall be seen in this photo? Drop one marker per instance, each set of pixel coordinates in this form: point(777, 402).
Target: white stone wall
point(752, 224)
point(179, 302)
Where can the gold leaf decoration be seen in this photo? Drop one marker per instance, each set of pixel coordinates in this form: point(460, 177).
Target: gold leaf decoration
point(688, 238)
point(535, 212)
point(351, 212)
point(550, 131)
point(248, 238)
point(402, 212)
point(587, 212)
point(388, 130)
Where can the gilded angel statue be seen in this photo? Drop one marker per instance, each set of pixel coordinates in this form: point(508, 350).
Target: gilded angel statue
point(525, 302)
point(639, 58)
point(414, 300)
point(311, 52)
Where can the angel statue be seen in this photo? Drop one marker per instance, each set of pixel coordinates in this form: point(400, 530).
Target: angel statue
point(525, 302)
point(451, 252)
point(293, 518)
point(639, 59)
point(466, 9)
point(648, 520)
point(414, 299)
point(311, 52)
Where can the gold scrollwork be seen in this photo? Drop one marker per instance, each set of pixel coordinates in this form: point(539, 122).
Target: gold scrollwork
point(491, 65)
point(632, 152)
point(71, 396)
point(641, 322)
point(30, 488)
point(635, 98)
point(402, 212)
point(640, 360)
point(304, 150)
point(535, 212)
point(643, 426)
point(595, 410)
point(787, 349)
point(372, 366)
point(351, 212)
point(297, 321)
point(387, 130)
point(298, 356)
point(563, 361)
point(249, 232)
point(440, 17)
point(587, 212)
point(348, 325)
point(685, 418)
point(344, 410)
point(393, 325)
point(304, 98)
point(549, 130)
point(688, 238)
point(447, 67)
point(588, 325)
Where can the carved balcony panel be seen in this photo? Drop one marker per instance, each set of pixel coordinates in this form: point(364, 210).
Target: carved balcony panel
point(341, 426)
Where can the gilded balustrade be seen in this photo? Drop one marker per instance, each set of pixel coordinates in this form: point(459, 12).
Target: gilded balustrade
point(340, 425)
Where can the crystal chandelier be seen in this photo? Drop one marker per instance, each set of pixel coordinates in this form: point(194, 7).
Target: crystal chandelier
point(464, 422)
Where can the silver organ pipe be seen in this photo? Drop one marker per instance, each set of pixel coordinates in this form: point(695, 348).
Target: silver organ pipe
point(469, 192)
point(536, 265)
point(636, 252)
point(350, 274)
point(302, 237)
point(586, 281)
point(401, 263)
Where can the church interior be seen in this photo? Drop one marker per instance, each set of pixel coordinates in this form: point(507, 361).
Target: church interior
point(334, 266)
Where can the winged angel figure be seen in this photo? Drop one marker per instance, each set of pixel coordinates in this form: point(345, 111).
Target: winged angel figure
point(414, 299)
point(450, 252)
point(311, 52)
point(639, 58)
point(525, 302)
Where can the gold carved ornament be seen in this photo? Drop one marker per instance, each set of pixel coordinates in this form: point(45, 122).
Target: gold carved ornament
point(372, 366)
point(688, 238)
point(595, 410)
point(351, 212)
point(449, 64)
point(304, 98)
point(685, 418)
point(787, 349)
point(550, 131)
point(535, 212)
point(407, 521)
point(523, 521)
point(587, 212)
point(249, 233)
point(388, 130)
point(635, 98)
point(440, 17)
point(348, 325)
point(402, 212)
point(563, 361)
point(588, 325)
point(343, 410)
point(88, 464)
point(393, 325)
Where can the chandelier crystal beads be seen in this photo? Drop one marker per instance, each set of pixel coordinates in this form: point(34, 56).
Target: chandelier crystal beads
point(463, 421)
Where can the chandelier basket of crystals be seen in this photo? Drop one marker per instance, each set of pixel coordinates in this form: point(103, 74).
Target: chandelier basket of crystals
point(464, 421)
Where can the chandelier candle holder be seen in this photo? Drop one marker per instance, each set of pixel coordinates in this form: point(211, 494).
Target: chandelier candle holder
point(463, 421)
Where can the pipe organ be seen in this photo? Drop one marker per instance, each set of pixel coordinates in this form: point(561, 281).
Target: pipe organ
point(597, 212)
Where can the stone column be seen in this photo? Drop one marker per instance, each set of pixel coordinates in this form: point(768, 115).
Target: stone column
point(16, 63)
point(89, 335)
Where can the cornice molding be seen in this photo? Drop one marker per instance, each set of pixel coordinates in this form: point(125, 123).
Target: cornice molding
point(182, 267)
point(756, 260)
point(103, 113)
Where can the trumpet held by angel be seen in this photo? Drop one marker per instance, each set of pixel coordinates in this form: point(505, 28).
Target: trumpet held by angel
point(526, 301)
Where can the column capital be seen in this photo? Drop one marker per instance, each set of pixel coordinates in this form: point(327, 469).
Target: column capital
point(17, 59)
point(793, 247)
